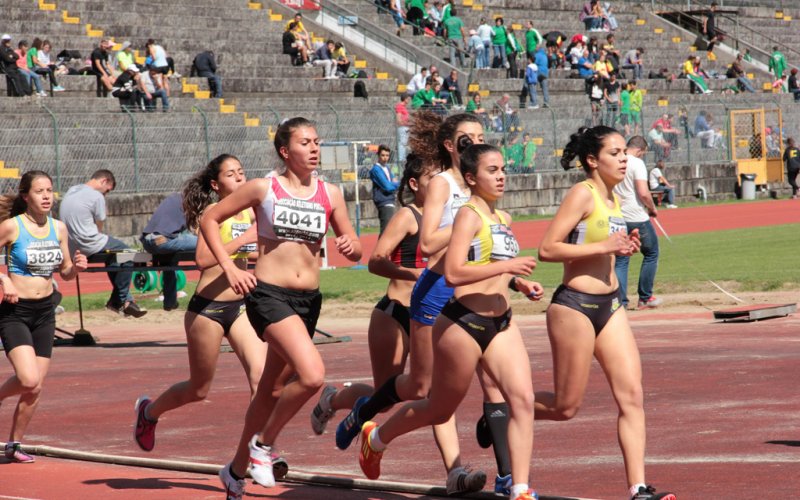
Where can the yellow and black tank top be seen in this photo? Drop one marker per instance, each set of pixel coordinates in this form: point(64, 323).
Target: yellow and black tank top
point(601, 223)
point(233, 228)
point(494, 241)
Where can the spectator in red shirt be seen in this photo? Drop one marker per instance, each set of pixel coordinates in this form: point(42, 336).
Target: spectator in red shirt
point(401, 120)
point(670, 133)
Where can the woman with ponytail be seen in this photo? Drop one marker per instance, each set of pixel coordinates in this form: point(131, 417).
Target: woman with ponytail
point(585, 318)
point(215, 310)
point(36, 247)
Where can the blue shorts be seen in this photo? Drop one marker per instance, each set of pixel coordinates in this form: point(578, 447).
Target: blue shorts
point(398, 19)
point(429, 296)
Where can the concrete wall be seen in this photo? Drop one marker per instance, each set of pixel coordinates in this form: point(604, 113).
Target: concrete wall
point(525, 194)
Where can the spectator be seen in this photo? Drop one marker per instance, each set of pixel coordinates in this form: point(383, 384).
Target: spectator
point(475, 48)
point(602, 67)
point(612, 53)
point(100, 67)
point(637, 207)
point(596, 99)
point(456, 37)
point(9, 57)
point(773, 143)
point(588, 15)
point(710, 27)
point(499, 40)
point(611, 97)
point(45, 60)
point(129, 89)
point(399, 16)
point(532, 38)
point(637, 100)
point(42, 67)
point(33, 79)
point(690, 71)
point(435, 18)
point(737, 71)
point(487, 34)
point(402, 121)
point(164, 236)
point(507, 116)
point(777, 63)
point(450, 89)
point(531, 81)
point(660, 184)
point(417, 81)
point(586, 70)
point(541, 59)
point(205, 65)
point(670, 133)
point(324, 58)
point(342, 62)
point(529, 153)
point(625, 109)
point(794, 87)
point(658, 143)
point(435, 78)
point(704, 130)
point(512, 51)
point(384, 187)
point(300, 29)
point(294, 47)
point(416, 14)
point(594, 48)
point(611, 20)
point(633, 60)
point(423, 98)
point(83, 210)
point(160, 63)
point(151, 87)
point(791, 157)
point(475, 107)
point(125, 56)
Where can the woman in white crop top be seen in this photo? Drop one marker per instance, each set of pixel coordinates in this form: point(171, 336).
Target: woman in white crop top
point(293, 210)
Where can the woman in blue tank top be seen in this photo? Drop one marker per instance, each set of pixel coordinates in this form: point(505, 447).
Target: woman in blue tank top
point(585, 319)
point(36, 247)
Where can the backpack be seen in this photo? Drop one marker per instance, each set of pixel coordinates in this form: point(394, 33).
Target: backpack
point(360, 90)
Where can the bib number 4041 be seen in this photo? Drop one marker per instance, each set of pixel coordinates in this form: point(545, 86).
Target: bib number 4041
point(297, 219)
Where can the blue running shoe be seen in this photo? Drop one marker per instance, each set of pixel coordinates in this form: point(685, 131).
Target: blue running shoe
point(348, 429)
point(502, 484)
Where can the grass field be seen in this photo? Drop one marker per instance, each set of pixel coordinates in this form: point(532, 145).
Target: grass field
point(753, 259)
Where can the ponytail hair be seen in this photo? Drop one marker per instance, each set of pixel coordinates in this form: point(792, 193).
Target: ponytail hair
point(197, 191)
point(14, 204)
point(584, 143)
point(428, 133)
point(414, 169)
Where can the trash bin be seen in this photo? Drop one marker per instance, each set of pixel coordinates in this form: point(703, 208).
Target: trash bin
point(748, 186)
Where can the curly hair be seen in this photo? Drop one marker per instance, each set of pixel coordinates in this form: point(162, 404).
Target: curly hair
point(197, 191)
point(428, 133)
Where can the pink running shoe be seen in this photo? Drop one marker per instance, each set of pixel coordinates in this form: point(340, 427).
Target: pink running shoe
point(14, 453)
point(145, 430)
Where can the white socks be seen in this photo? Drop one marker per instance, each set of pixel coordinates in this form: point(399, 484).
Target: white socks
point(518, 488)
point(635, 489)
point(375, 441)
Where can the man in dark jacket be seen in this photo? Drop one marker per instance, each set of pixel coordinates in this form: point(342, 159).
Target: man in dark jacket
point(206, 67)
point(8, 61)
point(384, 188)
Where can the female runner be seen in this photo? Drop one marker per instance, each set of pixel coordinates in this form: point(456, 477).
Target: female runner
point(293, 211)
point(36, 247)
point(475, 327)
point(397, 256)
point(442, 142)
point(215, 310)
point(584, 318)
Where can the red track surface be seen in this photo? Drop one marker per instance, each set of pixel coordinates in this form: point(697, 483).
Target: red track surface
point(529, 233)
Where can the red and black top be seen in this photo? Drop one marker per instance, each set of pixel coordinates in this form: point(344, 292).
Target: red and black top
point(407, 253)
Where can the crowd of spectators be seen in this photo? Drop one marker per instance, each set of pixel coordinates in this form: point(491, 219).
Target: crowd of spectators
point(330, 55)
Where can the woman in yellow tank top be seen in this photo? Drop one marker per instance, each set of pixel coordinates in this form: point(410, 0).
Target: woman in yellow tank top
point(215, 310)
point(475, 327)
point(584, 318)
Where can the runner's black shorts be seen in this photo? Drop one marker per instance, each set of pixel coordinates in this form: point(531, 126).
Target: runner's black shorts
point(267, 304)
point(29, 322)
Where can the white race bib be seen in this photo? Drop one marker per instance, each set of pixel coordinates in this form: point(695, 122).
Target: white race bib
point(299, 220)
point(238, 229)
point(616, 224)
point(504, 244)
point(44, 257)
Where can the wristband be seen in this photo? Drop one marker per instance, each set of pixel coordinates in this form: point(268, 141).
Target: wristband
point(512, 284)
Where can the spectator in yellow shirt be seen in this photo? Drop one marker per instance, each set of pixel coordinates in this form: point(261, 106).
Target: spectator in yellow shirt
point(125, 56)
point(300, 29)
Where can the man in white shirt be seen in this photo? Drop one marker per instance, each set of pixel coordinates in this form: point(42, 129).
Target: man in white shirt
point(417, 82)
point(637, 207)
point(660, 184)
point(485, 32)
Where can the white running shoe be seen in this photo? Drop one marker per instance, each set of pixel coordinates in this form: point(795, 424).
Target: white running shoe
point(460, 480)
point(261, 464)
point(234, 488)
point(323, 412)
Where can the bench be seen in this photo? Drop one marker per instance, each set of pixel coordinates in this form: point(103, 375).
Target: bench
point(658, 197)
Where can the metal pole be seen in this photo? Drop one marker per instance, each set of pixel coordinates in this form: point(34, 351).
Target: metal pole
point(555, 147)
point(336, 113)
point(358, 185)
point(205, 131)
point(57, 148)
point(135, 149)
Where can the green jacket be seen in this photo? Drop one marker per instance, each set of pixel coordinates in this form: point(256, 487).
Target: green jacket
point(777, 64)
point(499, 37)
point(532, 39)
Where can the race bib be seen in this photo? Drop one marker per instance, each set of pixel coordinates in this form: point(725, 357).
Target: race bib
point(616, 224)
point(458, 202)
point(44, 257)
point(299, 220)
point(238, 229)
point(504, 244)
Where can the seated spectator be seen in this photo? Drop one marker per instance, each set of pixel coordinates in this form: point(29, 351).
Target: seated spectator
point(423, 98)
point(417, 81)
point(39, 62)
point(151, 86)
point(506, 116)
point(592, 16)
point(100, 66)
point(33, 79)
point(704, 130)
point(602, 66)
point(435, 18)
point(164, 236)
point(58, 66)
point(611, 21)
point(435, 76)
point(794, 87)
point(439, 104)
point(670, 133)
point(586, 70)
point(324, 57)
point(659, 184)
point(773, 141)
point(691, 71)
point(129, 89)
point(657, 143)
point(475, 48)
point(293, 46)
point(451, 91)
point(737, 71)
point(205, 65)
point(300, 30)
point(342, 62)
point(83, 210)
point(8, 63)
point(613, 54)
point(125, 56)
point(633, 60)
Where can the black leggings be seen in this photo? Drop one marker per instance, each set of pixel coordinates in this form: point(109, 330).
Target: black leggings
point(791, 176)
point(49, 72)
